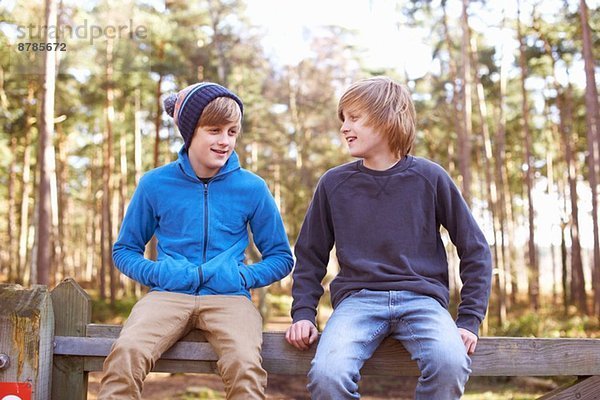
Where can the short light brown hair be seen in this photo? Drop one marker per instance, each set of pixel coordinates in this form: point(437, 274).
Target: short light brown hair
point(388, 107)
point(220, 111)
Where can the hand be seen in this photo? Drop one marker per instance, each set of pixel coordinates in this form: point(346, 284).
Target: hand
point(469, 339)
point(302, 334)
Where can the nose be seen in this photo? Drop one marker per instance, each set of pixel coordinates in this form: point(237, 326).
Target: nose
point(222, 139)
point(344, 128)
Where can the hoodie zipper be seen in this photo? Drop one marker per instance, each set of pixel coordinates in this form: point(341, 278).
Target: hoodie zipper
point(205, 223)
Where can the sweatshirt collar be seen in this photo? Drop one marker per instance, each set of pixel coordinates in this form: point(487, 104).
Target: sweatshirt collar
point(232, 164)
point(400, 166)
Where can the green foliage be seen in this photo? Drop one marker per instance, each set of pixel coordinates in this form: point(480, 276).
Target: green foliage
point(279, 305)
point(548, 322)
point(525, 325)
point(104, 312)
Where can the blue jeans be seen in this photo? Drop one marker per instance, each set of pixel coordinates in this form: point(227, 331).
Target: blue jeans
point(360, 323)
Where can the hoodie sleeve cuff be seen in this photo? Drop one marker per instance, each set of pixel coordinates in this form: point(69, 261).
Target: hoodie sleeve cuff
point(469, 322)
point(246, 277)
point(305, 314)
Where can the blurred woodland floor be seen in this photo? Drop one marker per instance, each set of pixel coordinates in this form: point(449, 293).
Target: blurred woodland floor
point(161, 386)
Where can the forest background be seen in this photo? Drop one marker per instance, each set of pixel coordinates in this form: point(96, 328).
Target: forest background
point(506, 97)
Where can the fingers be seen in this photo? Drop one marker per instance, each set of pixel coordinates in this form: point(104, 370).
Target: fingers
point(470, 345)
point(314, 334)
point(298, 337)
point(292, 335)
point(301, 335)
point(469, 339)
point(288, 334)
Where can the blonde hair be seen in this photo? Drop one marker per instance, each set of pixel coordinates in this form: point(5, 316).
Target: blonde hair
point(220, 111)
point(388, 107)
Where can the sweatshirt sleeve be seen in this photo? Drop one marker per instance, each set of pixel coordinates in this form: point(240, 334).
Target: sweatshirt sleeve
point(473, 251)
point(312, 249)
point(271, 240)
point(138, 226)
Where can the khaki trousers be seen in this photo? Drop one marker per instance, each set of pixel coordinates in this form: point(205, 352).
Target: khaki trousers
point(232, 325)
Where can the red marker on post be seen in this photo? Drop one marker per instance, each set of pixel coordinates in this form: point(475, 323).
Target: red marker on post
point(15, 391)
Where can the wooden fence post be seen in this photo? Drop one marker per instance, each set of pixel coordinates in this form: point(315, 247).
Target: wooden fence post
point(72, 312)
point(26, 337)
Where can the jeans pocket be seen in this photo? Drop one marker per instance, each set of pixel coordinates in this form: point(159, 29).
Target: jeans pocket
point(353, 295)
point(358, 293)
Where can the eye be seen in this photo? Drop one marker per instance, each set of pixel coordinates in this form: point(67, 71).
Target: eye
point(354, 118)
point(233, 133)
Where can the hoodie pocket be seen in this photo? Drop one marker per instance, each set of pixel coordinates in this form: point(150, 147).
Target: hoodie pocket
point(223, 277)
point(175, 275)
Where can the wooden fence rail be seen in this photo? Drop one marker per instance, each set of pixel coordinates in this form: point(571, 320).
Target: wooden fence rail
point(80, 347)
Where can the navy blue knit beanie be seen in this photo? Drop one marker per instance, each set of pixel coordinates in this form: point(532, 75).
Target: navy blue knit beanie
point(187, 105)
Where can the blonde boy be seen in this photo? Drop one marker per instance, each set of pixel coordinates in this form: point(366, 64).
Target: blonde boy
point(383, 213)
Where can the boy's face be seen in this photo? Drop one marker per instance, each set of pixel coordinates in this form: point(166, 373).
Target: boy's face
point(211, 147)
point(362, 140)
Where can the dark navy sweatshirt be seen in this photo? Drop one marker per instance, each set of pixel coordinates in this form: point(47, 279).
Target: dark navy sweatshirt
point(385, 226)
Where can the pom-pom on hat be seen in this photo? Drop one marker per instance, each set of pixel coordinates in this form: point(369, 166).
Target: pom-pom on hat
point(187, 105)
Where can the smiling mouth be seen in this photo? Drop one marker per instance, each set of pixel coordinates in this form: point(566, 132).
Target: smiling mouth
point(350, 139)
point(221, 152)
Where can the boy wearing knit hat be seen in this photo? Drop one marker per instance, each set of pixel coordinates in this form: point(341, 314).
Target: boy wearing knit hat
point(199, 207)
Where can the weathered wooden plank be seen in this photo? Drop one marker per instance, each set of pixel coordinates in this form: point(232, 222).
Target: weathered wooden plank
point(174, 366)
point(80, 346)
point(504, 356)
point(73, 311)
point(587, 388)
point(26, 333)
point(495, 356)
point(112, 331)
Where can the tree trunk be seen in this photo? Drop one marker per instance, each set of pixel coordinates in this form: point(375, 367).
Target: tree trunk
point(137, 139)
point(565, 272)
point(122, 186)
point(562, 192)
point(107, 179)
point(532, 256)
point(21, 262)
point(505, 200)
point(98, 204)
point(592, 119)
point(490, 185)
point(136, 289)
point(157, 124)
point(464, 135)
point(215, 9)
point(90, 223)
point(61, 238)
point(9, 264)
point(455, 110)
point(577, 278)
point(551, 189)
point(46, 156)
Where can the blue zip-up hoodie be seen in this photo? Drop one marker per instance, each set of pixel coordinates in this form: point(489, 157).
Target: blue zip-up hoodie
point(202, 231)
